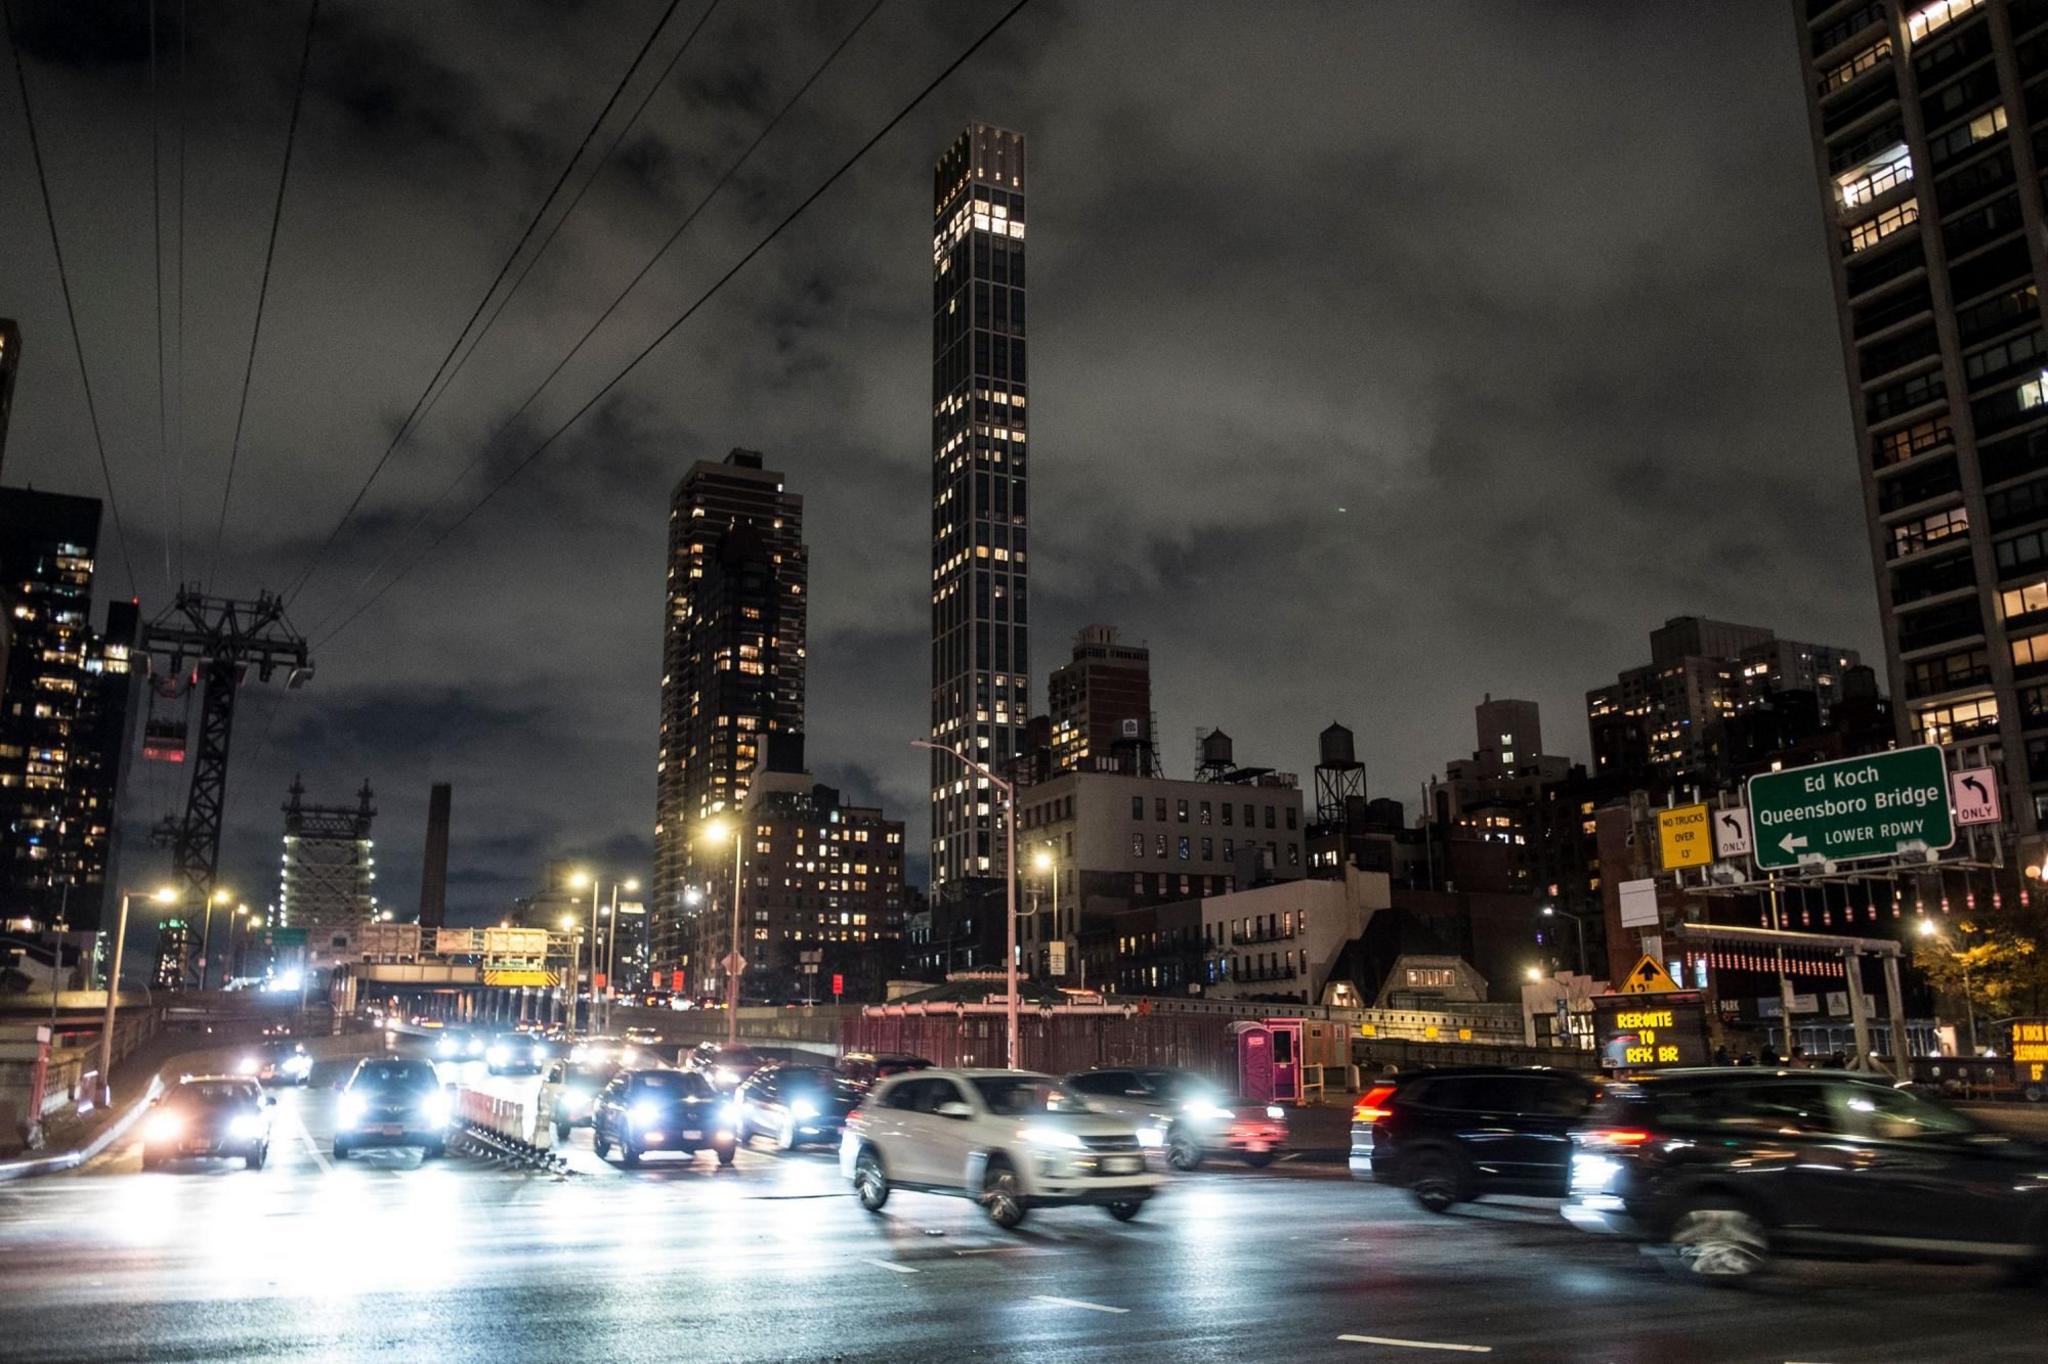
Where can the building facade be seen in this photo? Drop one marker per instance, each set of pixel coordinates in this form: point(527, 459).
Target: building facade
point(327, 887)
point(10, 366)
point(1928, 159)
point(67, 700)
point(981, 659)
point(732, 675)
point(1660, 725)
point(1100, 706)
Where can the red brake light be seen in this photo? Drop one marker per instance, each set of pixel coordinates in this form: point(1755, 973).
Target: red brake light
point(1372, 1104)
point(1617, 1136)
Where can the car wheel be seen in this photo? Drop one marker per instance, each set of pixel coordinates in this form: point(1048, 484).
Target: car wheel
point(1436, 1181)
point(2033, 1094)
point(785, 1140)
point(341, 1151)
point(1001, 1196)
point(1720, 1241)
point(726, 1151)
point(1183, 1149)
point(1124, 1211)
point(628, 1157)
point(254, 1160)
point(1258, 1160)
point(870, 1184)
point(561, 1132)
point(601, 1146)
point(434, 1152)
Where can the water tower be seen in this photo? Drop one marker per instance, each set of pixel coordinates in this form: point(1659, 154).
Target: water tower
point(1340, 777)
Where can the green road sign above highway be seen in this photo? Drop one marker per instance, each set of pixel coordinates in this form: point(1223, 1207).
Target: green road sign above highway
point(1853, 809)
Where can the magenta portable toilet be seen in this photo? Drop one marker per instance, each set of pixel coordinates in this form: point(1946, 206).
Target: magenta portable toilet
point(1286, 1053)
point(1254, 1060)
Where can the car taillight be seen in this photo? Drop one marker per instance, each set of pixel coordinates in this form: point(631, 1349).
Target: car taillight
point(855, 1118)
point(1615, 1136)
point(1372, 1105)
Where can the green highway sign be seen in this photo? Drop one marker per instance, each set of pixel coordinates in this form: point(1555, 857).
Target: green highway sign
point(1852, 809)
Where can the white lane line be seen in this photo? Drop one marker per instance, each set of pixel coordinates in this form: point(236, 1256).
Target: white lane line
point(1076, 1302)
point(892, 1266)
point(326, 1166)
point(1418, 1344)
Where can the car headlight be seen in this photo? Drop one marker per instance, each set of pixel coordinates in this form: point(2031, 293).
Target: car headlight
point(436, 1109)
point(1052, 1136)
point(248, 1065)
point(247, 1127)
point(726, 1076)
point(445, 1047)
point(499, 1056)
point(352, 1108)
point(645, 1114)
point(803, 1110)
point(298, 1064)
point(163, 1127)
point(1151, 1136)
point(476, 1046)
point(540, 1053)
point(1592, 1172)
point(1275, 1112)
point(730, 1113)
point(628, 1056)
point(1205, 1110)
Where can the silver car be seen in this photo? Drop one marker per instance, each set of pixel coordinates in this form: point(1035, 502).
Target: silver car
point(1189, 1112)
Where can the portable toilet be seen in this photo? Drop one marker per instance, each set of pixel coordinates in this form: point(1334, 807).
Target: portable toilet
point(1254, 1043)
point(1286, 1059)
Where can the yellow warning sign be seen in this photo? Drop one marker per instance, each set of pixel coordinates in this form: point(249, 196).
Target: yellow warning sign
point(540, 978)
point(1648, 979)
point(1684, 838)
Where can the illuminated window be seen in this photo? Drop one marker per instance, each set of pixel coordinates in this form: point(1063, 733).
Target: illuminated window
point(1937, 16)
point(1864, 183)
point(1871, 231)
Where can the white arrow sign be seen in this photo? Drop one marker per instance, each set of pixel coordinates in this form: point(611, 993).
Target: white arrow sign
point(1791, 844)
point(1731, 834)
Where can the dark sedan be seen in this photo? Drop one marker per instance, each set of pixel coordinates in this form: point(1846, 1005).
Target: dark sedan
point(391, 1101)
point(795, 1106)
point(216, 1116)
point(1730, 1167)
point(641, 1112)
point(1452, 1135)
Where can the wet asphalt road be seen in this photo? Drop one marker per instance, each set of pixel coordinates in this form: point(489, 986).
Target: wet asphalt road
point(386, 1258)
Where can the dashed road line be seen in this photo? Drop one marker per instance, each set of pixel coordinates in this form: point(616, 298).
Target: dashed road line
point(1076, 1302)
point(1418, 1344)
point(892, 1266)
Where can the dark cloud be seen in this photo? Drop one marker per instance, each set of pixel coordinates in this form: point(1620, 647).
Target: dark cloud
point(1383, 356)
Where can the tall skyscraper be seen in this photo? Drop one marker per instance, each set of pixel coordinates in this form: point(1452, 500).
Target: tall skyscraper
point(981, 659)
point(434, 860)
point(1934, 217)
point(66, 701)
point(1101, 706)
point(10, 365)
point(732, 673)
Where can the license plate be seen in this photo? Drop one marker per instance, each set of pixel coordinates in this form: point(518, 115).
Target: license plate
point(389, 1129)
point(1258, 1146)
point(1122, 1165)
point(693, 1134)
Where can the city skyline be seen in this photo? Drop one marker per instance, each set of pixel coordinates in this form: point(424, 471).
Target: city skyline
point(1443, 405)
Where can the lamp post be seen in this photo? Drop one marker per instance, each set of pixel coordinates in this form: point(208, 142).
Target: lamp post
point(1578, 922)
point(1046, 864)
point(1009, 793)
point(611, 948)
point(1928, 930)
point(162, 895)
point(734, 963)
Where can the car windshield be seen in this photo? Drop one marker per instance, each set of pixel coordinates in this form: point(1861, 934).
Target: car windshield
point(814, 1083)
point(395, 1075)
point(670, 1084)
point(1020, 1094)
point(589, 1077)
point(211, 1094)
point(1177, 1085)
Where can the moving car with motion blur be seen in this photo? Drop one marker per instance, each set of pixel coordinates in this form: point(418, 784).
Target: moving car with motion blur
point(642, 1112)
point(1192, 1116)
point(393, 1101)
point(1459, 1133)
point(567, 1091)
point(867, 1067)
point(209, 1116)
point(1728, 1168)
point(724, 1066)
point(1009, 1139)
point(795, 1106)
point(512, 1053)
point(458, 1044)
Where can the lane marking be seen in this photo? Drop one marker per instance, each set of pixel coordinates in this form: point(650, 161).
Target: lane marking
point(1076, 1302)
point(326, 1166)
point(892, 1266)
point(1418, 1344)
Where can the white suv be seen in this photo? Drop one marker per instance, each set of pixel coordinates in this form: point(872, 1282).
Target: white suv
point(1009, 1139)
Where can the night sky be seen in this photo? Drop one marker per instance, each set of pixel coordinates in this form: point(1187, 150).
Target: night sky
point(1383, 356)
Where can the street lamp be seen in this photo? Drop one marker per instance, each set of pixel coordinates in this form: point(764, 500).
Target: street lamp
point(1578, 922)
point(611, 948)
point(734, 963)
point(1927, 929)
point(1009, 793)
point(163, 895)
point(1047, 865)
point(219, 897)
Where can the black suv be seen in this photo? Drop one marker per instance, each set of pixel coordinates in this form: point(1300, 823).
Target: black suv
point(1452, 1135)
point(644, 1111)
point(1728, 1167)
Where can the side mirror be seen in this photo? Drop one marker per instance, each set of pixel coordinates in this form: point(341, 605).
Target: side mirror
point(954, 1108)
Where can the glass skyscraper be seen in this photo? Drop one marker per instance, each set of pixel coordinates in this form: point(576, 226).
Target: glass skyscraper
point(981, 661)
